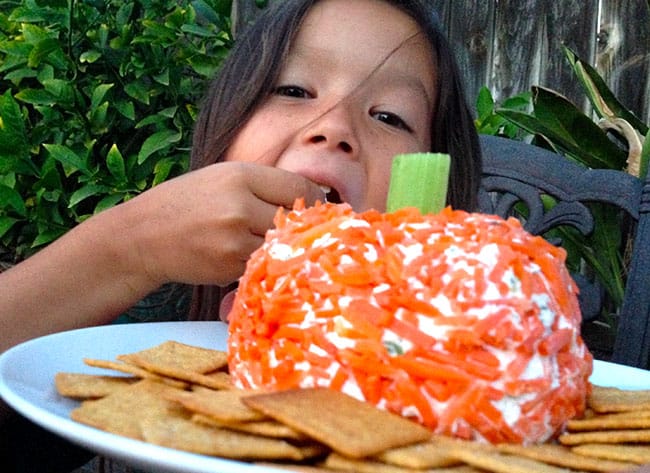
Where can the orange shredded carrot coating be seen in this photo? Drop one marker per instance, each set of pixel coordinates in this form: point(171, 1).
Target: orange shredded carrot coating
point(461, 321)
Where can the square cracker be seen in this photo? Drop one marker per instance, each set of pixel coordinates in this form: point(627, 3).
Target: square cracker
point(134, 371)
point(184, 434)
point(122, 411)
point(226, 406)
point(639, 454)
point(419, 456)
point(348, 426)
point(176, 359)
point(89, 386)
point(606, 399)
point(340, 463)
point(484, 459)
point(562, 456)
point(264, 428)
point(609, 422)
point(605, 436)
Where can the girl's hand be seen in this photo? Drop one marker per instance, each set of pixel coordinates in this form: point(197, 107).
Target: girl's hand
point(200, 228)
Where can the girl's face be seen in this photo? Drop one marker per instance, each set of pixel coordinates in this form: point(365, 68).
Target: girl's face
point(357, 89)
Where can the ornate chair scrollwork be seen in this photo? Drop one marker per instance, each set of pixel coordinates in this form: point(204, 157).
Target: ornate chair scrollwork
point(519, 179)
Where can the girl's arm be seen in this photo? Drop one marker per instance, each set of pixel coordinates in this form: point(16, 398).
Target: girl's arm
point(87, 277)
point(199, 228)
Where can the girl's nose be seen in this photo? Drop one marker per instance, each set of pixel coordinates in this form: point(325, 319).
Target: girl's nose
point(333, 130)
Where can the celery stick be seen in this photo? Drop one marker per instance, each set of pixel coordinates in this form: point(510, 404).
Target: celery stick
point(419, 180)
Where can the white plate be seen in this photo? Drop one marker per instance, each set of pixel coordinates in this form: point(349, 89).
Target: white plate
point(27, 384)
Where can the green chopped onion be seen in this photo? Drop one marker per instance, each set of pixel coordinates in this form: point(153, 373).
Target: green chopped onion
point(419, 180)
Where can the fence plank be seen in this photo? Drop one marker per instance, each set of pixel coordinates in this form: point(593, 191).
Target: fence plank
point(510, 45)
point(574, 24)
point(623, 54)
point(470, 28)
point(528, 43)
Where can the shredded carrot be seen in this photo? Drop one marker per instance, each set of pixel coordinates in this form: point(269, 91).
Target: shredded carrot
point(444, 318)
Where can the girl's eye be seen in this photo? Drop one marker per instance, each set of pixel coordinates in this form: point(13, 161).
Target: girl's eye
point(392, 120)
point(292, 91)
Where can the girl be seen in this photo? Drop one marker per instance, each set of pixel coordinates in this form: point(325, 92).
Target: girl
point(314, 50)
point(314, 102)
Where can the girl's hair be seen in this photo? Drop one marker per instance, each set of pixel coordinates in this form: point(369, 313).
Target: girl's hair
point(249, 74)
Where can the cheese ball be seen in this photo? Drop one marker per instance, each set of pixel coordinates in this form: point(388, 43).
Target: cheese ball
point(462, 321)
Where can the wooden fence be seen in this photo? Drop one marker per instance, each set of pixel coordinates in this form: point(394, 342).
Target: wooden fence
point(509, 45)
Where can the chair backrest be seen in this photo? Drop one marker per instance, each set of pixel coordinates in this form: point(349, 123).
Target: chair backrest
point(517, 174)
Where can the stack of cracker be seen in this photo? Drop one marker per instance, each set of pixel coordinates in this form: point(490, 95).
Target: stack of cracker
point(180, 396)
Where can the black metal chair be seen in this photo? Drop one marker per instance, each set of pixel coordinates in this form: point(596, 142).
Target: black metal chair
point(517, 174)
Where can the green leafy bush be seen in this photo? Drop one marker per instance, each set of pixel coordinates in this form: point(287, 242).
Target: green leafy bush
point(97, 103)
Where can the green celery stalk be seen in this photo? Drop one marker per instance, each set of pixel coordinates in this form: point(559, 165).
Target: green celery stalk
point(419, 180)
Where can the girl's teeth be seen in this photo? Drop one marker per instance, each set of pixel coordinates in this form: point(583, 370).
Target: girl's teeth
point(326, 190)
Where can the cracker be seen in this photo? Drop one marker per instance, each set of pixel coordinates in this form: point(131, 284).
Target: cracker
point(484, 459)
point(295, 468)
point(221, 405)
point(609, 422)
point(606, 399)
point(215, 380)
point(265, 428)
point(134, 371)
point(183, 434)
point(420, 455)
point(340, 463)
point(89, 386)
point(639, 454)
point(122, 411)
point(349, 426)
point(176, 359)
point(605, 436)
point(562, 456)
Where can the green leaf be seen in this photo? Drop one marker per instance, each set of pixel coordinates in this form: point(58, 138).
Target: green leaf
point(98, 95)
point(70, 160)
point(198, 30)
point(568, 129)
point(601, 97)
point(90, 56)
point(162, 170)
point(86, 191)
point(36, 97)
point(41, 51)
point(115, 164)
point(138, 91)
point(6, 223)
point(590, 144)
point(13, 136)
point(98, 119)
point(601, 250)
point(157, 142)
point(34, 34)
point(109, 201)
point(17, 75)
point(484, 104)
point(61, 90)
point(47, 236)
point(204, 65)
point(126, 108)
point(12, 199)
point(163, 77)
point(209, 14)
